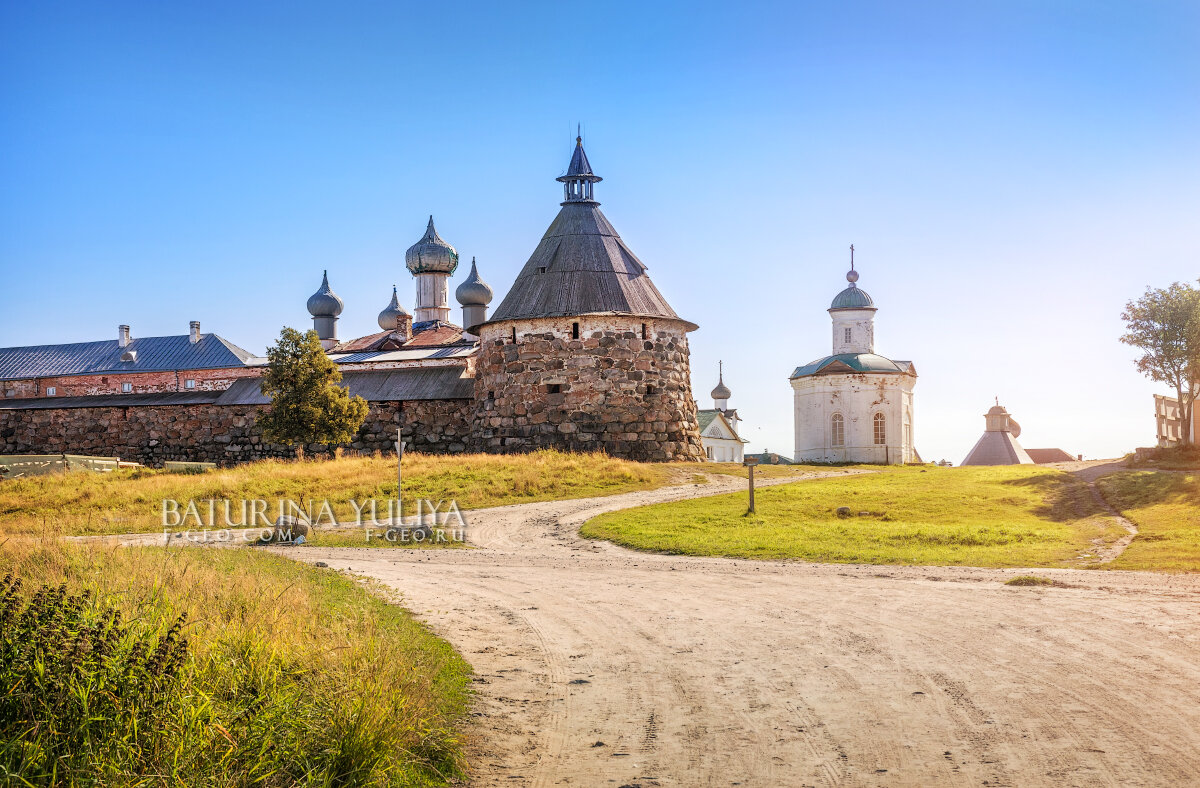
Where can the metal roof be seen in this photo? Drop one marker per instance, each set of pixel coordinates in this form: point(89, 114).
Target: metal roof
point(113, 400)
point(153, 354)
point(853, 362)
point(375, 386)
point(582, 267)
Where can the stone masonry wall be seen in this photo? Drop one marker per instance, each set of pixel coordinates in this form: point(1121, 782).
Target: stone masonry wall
point(222, 434)
point(618, 384)
point(141, 382)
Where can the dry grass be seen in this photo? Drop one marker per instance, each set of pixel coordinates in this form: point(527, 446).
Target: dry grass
point(131, 501)
point(296, 675)
point(1014, 516)
point(1166, 509)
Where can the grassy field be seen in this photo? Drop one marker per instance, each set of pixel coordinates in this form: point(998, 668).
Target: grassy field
point(290, 675)
point(1166, 509)
point(131, 501)
point(1011, 516)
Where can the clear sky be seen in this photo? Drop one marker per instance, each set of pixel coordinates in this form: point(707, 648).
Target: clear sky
point(1010, 172)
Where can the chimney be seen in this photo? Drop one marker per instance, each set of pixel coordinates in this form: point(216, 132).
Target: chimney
point(194, 331)
point(123, 337)
point(404, 326)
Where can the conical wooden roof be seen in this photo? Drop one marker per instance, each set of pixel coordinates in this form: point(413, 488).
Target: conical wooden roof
point(583, 267)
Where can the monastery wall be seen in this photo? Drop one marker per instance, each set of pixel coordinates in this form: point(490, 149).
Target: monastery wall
point(224, 434)
point(618, 384)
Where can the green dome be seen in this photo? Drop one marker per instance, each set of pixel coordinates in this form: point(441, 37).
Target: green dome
point(851, 363)
point(852, 298)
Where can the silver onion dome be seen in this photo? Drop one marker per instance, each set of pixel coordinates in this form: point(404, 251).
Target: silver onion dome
point(721, 391)
point(392, 312)
point(325, 302)
point(431, 254)
point(473, 291)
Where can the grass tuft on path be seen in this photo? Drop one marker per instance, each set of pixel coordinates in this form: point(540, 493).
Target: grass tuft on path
point(290, 675)
point(1001, 517)
point(1165, 507)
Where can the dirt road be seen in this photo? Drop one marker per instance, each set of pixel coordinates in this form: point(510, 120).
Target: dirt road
point(599, 666)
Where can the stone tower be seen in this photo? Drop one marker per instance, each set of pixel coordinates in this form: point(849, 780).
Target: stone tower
point(584, 353)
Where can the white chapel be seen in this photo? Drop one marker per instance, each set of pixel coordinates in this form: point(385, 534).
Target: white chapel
point(854, 405)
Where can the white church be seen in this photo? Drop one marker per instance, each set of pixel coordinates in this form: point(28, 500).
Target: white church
point(854, 405)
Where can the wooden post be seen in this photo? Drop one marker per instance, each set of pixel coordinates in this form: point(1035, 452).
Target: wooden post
point(750, 462)
point(399, 477)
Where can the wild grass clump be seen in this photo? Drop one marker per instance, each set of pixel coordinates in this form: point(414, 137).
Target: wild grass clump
point(216, 668)
point(84, 689)
point(1005, 516)
point(132, 500)
point(1031, 581)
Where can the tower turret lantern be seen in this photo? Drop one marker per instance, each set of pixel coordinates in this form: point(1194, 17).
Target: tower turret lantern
point(474, 295)
point(325, 306)
point(853, 314)
point(431, 260)
point(579, 180)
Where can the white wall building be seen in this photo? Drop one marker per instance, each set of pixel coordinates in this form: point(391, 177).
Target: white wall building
point(719, 426)
point(854, 405)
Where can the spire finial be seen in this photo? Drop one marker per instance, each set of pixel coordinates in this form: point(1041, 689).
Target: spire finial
point(578, 134)
point(720, 371)
point(852, 275)
point(851, 257)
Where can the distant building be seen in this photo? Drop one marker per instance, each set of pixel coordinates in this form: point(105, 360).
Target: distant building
point(999, 446)
point(855, 405)
point(1046, 456)
point(769, 457)
point(719, 426)
point(1168, 423)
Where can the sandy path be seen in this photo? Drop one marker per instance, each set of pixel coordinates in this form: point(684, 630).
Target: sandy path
point(699, 672)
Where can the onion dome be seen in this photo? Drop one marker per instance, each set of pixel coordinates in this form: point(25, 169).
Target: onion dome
point(852, 297)
point(473, 291)
point(392, 312)
point(325, 302)
point(431, 255)
point(721, 391)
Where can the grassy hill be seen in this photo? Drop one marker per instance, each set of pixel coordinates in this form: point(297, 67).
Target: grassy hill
point(1011, 516)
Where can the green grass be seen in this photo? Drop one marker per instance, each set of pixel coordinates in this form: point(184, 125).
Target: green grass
point(1011, 516)
point(131, 501)
point(292, 675)
point(1166, 509)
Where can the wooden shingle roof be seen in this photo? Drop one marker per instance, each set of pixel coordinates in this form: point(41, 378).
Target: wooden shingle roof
point(582, 267)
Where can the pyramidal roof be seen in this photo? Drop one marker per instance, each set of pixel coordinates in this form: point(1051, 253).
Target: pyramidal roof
point(581, 266)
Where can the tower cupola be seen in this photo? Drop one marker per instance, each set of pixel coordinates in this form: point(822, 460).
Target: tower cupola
point(474, 295)
point(431, 260)
point(579, 180)
point(392, 316)
point(721, 393)
point(325, 306)
point(853, 315)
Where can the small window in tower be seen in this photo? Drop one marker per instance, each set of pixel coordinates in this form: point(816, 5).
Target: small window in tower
point(650, 391)
point(514, 335)
point(541, 269)
point(645, 332)
point(847, 335)
point(189, 384)
point(880, 429)
point(554, 388)
point(574, 331)
point(126, 387)
point(51, 391)
point(491, 395)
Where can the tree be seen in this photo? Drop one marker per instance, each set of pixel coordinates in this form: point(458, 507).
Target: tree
point(307, 404)
point(1165, 325)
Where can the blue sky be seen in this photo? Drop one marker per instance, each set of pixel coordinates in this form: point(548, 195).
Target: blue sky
point(1009, 172)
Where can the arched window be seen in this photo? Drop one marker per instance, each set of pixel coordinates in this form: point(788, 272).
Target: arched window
point(837, 430)
point(880, 429)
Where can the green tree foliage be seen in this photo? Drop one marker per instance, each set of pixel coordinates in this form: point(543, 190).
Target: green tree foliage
point(1165, 325)
point(307, 404)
